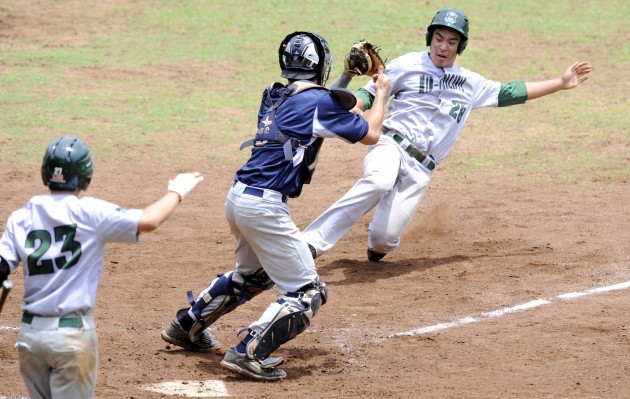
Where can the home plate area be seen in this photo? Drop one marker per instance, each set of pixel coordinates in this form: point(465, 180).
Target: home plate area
point(190, 389)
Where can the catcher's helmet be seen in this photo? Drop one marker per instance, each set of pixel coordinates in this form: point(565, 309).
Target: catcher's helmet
point(67, 165)
point(450, 18)
point(305, 55)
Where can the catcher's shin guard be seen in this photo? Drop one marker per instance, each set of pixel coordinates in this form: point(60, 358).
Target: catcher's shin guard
point(222, 296)
point(294, 316)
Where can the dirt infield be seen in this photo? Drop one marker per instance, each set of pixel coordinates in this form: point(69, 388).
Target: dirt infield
point(475, 248)
point(491, 294)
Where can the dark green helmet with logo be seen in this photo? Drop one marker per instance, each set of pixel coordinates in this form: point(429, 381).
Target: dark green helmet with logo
point(67, 165)
point(450, 18)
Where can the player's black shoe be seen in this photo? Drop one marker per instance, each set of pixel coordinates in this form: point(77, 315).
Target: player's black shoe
point(374, 256)
point(252, 368)
point(313, 251)
point(203, 342)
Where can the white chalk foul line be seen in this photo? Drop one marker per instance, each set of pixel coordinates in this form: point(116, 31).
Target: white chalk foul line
point(513, 309)
point(572, 295)
point(524, 306)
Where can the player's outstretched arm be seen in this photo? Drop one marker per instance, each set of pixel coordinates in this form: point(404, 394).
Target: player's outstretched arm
point(572, 76)
point(155, 214)
point(377, 111)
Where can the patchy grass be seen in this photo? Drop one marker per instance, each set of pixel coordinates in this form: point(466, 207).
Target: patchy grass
point(181, 82)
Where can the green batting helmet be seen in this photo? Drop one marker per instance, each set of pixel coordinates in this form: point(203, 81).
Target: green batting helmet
point(67, 165)
point(450, 18)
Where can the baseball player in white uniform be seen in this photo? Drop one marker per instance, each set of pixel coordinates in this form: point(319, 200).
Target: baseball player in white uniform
point(431, 99)
point(60, 240)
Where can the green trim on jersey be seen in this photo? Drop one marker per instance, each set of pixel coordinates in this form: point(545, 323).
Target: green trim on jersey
point(512, 93)
point(366, 97)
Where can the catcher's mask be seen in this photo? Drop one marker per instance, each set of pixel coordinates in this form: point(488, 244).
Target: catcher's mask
point(450, 18)
point(305, 55)
point(67, 165)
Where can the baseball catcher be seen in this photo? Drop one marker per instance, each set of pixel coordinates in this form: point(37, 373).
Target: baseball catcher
point(293, 118)
point(363, 59)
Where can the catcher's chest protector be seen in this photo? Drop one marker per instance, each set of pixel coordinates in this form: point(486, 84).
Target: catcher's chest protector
point(268, 130)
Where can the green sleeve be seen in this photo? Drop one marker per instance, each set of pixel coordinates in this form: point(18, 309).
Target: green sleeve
point(512, 93)
point(366, 97)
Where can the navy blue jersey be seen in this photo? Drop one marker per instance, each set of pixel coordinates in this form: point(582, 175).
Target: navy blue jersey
point(305, 116)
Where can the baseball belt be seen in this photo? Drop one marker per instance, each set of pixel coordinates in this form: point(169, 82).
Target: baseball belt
point(66, 321)
point(260, 193)
point(416, 153)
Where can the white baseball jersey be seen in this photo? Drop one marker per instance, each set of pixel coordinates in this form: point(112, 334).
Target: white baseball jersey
point(60, 240)
point(430, 105)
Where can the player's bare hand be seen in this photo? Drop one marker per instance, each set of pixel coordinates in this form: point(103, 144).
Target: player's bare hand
point(575, 74)
point(183, 183)
point(381, 81)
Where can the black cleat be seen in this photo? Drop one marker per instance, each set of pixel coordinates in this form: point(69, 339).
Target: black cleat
point(374, 256)
point(239, 363)
point(203, 342)
point(313, 251)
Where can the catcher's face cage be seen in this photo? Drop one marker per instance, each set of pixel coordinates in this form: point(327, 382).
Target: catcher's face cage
point(450, 18)
point(67, 165)
point(305, 55)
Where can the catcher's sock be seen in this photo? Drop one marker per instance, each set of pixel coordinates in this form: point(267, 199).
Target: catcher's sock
point(241, 347)
point(186, 322)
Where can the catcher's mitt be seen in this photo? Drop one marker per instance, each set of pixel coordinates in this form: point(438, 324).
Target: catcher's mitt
point(363, 59)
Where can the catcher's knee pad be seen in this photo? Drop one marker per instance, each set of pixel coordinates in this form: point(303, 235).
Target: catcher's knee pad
point(294, 313)
point(222, 296)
